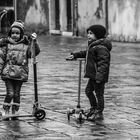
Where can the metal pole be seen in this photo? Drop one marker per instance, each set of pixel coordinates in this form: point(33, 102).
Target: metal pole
point(73, 8)
point(76, 13)
point(35, 73)
point(106, 9)
point(15, 9)
point(79, 83)
point(75, 17)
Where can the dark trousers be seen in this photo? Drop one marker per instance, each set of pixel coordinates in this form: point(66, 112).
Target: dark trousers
point(95, 94)
point(13, 88)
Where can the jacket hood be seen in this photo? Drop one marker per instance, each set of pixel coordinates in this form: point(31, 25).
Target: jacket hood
point(23, 40)
point(104, 41)
point(107, 43)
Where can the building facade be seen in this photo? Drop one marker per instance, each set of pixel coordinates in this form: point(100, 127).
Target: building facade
point(124, 20)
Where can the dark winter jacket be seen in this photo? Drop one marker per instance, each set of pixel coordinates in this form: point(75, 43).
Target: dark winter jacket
point(97, 59)
point(14, 59)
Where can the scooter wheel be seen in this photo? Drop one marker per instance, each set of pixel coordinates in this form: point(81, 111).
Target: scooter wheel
point(80, 117)
point(40, 114)
point(68, 114)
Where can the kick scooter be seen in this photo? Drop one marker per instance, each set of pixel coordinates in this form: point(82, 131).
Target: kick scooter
point(37, 112)
point(77, 112)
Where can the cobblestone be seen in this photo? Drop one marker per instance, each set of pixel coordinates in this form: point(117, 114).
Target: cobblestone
point(58, 85)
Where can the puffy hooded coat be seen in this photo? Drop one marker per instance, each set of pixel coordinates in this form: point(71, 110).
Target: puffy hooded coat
point(97, 59)
point(14, 58)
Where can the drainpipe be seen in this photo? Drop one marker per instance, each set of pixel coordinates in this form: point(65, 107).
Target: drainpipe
point(15, 9)
point(75, 17)
point(106, 19)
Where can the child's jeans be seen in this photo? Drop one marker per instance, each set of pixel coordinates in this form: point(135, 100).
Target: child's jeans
point(13, 88)
point(96, 100)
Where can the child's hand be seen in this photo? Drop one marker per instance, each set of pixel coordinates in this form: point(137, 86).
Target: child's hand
point(71, 57)
point(34, 36)
point(9, 39)
point(98, 82)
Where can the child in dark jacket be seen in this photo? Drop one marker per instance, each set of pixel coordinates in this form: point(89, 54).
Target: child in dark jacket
point(96, 68)
point(15, 52)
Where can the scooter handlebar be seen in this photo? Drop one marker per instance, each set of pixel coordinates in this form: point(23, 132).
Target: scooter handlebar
point(75, 59)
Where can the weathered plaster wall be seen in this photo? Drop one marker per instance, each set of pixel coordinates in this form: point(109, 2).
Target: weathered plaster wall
point(35, 13)
point(90, 12)
point(124, 19)
point(124, 16)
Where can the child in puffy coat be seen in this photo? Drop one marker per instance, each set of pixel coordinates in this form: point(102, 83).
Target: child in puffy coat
point(96, 68)
point(15, 52)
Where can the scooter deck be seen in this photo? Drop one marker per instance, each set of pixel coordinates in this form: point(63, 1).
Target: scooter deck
point(83, 117)
point(97, 122)
point(2, 118)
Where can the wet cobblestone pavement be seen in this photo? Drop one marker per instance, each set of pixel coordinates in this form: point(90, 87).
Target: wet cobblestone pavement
point(58, 85)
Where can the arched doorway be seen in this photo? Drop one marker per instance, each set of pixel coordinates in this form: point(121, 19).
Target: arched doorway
point(6, 20)
point(6, 15)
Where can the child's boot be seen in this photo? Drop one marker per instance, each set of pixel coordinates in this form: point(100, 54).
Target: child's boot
point(6, 115)
point(6, 112)
point(14, 112)
point(90, 112)
point(98, 115)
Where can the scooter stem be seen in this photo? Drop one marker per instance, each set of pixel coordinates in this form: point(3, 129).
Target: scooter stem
point(79, 83)
point(35, 73)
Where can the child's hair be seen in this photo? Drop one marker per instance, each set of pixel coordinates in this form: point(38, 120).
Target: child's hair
point(98, 30)
point(20, 25)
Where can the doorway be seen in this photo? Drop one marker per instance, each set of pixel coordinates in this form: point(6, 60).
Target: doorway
point(57, 15)
point(69, 15)
point(61, 16)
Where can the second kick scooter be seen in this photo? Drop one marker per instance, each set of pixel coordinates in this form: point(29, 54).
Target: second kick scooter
point(77, 112)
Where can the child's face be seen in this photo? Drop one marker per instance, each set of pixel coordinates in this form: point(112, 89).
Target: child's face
point(91, 36)
point(15, 34)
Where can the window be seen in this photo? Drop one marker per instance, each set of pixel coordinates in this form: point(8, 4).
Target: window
point(6, 3)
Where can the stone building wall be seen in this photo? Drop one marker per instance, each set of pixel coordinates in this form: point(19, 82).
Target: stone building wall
point(123, 16)
point(35, 14)
point(90, 12)
point(124, 20)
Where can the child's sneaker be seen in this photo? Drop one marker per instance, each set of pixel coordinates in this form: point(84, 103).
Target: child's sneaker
point(99, 116)
point(14, 118)
point(96, 116)
point(6, 114)
point(90, 112)
point(14, 112)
